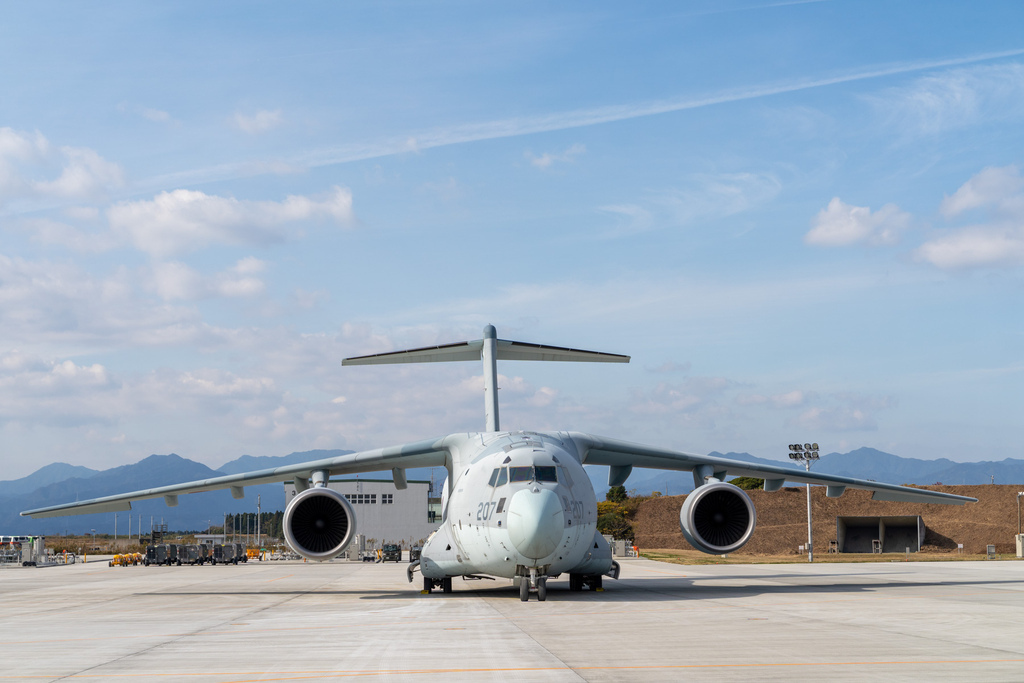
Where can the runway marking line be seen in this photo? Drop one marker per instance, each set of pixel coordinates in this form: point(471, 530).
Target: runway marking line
point(279, 578)
point(306, 675)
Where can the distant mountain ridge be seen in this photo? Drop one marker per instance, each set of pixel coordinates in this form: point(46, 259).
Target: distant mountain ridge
point(862, 463)
point(61, 482)
point(50, 474)
point(249, 463)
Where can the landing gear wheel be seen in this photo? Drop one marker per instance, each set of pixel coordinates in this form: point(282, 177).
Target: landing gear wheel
point(428, 585)
point(575, 582)
point(542, 589)
point(446, 584)
point(524, 589)
point(595, 583)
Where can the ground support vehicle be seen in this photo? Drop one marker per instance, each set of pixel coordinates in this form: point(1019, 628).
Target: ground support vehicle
point(217, 554)
point(192, 554)
point(225, 553)
point(391, 553)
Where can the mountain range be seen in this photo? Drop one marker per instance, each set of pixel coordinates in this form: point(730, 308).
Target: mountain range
point(61, 482)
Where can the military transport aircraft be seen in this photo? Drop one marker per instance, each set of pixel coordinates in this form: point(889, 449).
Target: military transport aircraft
point(515, 505)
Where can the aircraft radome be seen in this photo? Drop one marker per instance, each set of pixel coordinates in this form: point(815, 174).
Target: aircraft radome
point(515, 504)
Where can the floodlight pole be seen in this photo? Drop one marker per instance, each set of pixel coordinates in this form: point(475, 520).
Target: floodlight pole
point(806, 453)
point(1019, 494)
point(810, 530)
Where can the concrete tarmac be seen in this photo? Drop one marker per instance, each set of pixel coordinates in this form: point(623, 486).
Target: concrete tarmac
point(288, 621)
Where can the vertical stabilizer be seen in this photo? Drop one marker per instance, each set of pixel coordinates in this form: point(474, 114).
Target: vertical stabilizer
point(489, 354)
point(490, 350)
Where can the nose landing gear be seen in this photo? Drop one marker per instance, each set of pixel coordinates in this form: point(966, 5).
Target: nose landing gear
point(533, 583)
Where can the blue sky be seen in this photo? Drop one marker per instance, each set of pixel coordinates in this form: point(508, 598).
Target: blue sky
point(804, 221)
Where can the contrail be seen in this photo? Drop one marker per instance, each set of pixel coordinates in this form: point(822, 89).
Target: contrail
point(578, 118)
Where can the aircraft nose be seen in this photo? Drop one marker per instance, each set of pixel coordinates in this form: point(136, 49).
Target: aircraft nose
point(535, 522)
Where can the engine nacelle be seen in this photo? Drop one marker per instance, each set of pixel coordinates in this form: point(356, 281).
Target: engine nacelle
point(717, 518)
point(319, 524)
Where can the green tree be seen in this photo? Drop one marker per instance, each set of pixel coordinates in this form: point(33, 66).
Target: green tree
point(616, 494)
point(615, 525)
point(748, 483)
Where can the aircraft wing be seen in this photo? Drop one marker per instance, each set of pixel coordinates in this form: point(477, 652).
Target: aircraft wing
point(431, 453)
point(622, 456)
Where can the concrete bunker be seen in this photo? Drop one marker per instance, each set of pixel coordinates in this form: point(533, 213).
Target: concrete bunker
point(879, 534)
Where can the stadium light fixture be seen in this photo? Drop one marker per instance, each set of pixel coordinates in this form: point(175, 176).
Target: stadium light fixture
point(808, 453)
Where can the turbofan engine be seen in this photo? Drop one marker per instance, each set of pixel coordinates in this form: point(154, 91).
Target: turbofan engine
point(717, 518)
point(319, 523)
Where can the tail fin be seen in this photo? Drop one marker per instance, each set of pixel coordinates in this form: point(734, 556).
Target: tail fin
point(490, 350)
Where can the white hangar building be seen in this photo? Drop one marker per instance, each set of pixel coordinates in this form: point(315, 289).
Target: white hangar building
point(385, 514)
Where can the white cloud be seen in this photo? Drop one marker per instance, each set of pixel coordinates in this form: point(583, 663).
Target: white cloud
point(975, 247)
point(791, 399)
point(30, 167)
point(689, 396)
point(84, 173)
point(260, 122)
point(52, 392)
point(669, 367)
point(955, 98)
point(995, 188)
point(149, 113)
point(546, 159)
point(846, 412)
point(841, 225)
point(633, 219)
point(704, 196)
point(155, 115)
point(177, 281)
point(44, 303)
point(186, 220)
point(997, 242)
point(722, 194)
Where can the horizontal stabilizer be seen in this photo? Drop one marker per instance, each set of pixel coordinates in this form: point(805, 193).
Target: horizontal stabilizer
point(489, 350)
point(472, 350)
point(428, 354)
point(513, 350)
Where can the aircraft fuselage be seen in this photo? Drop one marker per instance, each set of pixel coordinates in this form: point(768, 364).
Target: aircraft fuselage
point(518, 502)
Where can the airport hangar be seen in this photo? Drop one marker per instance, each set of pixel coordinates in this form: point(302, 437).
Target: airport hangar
point(385, 514)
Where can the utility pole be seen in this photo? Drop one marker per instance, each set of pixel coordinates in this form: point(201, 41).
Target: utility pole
point(806, 453)
point(258, 519)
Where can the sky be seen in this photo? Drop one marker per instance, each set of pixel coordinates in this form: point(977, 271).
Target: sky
point(804, 221)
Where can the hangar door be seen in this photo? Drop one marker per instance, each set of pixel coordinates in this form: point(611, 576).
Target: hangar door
point(895, 534)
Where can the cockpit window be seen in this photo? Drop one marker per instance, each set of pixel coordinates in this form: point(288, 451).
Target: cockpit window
point(540, 473)
point(502, 477)
point(520, 474)
point(549, 474)
point(494, 476)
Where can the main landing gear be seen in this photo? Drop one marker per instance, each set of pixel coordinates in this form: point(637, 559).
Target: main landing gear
point(578, 582)
point(444, 584)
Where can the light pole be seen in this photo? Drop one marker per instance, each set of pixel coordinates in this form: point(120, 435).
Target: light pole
point(1019, 494)
point(806, 453)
